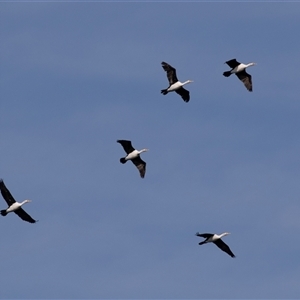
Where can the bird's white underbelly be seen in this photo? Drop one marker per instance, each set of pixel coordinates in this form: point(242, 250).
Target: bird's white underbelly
point(13, 207)
point(213, 238)
point(175, 86)
point(239, 68)
point(132, 155)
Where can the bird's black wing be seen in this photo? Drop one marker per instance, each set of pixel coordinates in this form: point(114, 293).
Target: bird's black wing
point(185, 95)
point(24, 215)
point(141, 165)
point(171, 72)
point(204, 235)
point(6, 194)
point(232, 63)
point(246, 79)
point(126, 146)
point(224, 247)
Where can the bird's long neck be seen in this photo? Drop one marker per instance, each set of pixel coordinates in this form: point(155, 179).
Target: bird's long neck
point(141, 151)
point(223, 234)
point(24, 202)
point(186, 82)
point(250, 65)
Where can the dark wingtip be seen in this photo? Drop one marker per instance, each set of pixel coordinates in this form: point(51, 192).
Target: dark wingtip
point(31, 221)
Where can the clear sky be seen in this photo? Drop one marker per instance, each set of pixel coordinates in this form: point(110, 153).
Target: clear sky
point(75, 77)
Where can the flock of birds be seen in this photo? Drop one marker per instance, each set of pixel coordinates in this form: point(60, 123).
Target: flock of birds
point(237, 68)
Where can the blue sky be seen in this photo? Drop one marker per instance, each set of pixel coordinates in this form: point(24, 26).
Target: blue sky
point(75, 77)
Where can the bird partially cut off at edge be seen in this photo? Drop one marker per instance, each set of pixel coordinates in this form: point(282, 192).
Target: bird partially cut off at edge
point(13, 205)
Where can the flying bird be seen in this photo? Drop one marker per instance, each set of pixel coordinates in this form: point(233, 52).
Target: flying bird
point(13, 205)
point(134, 156)
point(239, 70)
point(175, 84)
point(216, 239)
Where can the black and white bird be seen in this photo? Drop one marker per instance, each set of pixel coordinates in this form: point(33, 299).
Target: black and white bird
point(13, 205)
point(175, 84)
point(216, 239)
point(134, 156)
point(239, 70)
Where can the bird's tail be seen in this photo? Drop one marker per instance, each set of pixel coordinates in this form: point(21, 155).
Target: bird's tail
point(227, 73)
point(123, 160)
point(3, 212)
point(164, 92)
